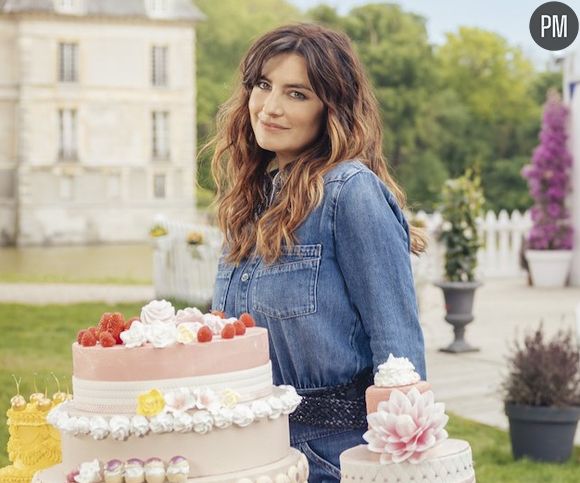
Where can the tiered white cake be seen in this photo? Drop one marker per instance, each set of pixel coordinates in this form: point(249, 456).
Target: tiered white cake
point(406, 439)
point(178, 397)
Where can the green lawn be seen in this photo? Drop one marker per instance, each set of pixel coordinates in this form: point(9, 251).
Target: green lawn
point(38, 339)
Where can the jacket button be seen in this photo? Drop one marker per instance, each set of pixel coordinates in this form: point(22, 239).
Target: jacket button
point(245, 277)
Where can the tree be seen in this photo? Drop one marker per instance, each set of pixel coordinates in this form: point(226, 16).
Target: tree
point(222, 40)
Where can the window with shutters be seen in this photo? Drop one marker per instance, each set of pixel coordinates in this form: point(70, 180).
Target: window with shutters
point(159, 65)
point(68, 59)
point(67, 125)
point(160, 135)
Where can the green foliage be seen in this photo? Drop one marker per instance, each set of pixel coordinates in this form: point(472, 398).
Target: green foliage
point(473, 101)
point(222, 40)
point(504, 186)
point(462, 205)
point(423, 176)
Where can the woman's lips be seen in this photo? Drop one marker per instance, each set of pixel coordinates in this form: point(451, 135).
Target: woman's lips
point(272, 127)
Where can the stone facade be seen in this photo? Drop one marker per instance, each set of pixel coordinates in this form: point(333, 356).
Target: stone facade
point(82, 157)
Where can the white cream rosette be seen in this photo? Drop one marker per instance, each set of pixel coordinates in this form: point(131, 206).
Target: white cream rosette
point(187, 332)
point(276, 405)
point(161, 334)
point(190, 315)
point(214, 322)
point(261, 409)
point(99, 428)
point(223, 418)
point(243, 415)
point(158, 311)
point(120, 427)
point(90, 472)
point(182, 422)
point(202, 422)
point(161, 423)
point(139, 426)
point(136, 336)
point(396, 371)
point(83, 426)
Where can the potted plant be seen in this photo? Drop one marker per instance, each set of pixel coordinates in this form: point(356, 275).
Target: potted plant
point(542, 396)
point(194, 242)
point(549, 252)
point(461, 206)
point(160, 237)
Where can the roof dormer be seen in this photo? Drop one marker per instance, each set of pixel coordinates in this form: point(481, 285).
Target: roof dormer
point(157, 8)
point(70, 7)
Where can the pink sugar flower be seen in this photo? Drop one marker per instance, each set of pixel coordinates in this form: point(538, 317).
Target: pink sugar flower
point(406, 426)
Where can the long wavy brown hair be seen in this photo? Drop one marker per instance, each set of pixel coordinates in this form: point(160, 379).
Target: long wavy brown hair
point(351, 130)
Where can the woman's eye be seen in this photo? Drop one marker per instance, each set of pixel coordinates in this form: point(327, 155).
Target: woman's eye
point(297, 95)
point(262, 85)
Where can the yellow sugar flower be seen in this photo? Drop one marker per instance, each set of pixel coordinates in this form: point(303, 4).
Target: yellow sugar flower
point(150, 403)
point(229, 398)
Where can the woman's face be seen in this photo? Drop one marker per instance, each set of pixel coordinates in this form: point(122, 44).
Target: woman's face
point(285, 112)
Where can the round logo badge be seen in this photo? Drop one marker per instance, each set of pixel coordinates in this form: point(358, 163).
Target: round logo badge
point(554, 26)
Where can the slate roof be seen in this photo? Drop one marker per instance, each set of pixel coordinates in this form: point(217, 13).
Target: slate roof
point(177, 9)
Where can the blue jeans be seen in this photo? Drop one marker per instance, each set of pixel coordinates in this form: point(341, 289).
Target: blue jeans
point(323, 453)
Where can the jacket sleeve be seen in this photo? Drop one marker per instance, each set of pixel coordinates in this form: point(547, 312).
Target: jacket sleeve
point(372, 250)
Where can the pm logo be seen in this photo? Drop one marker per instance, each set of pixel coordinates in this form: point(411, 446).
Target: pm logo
point(554, 26)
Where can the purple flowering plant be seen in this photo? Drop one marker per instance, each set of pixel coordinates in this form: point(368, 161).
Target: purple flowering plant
point(548, 177)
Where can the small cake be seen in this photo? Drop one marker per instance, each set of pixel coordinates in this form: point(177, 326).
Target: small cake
point(407, 440)
point(397, 373)
point(33, 444)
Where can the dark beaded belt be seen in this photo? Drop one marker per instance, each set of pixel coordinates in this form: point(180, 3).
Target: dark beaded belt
point(337, 407)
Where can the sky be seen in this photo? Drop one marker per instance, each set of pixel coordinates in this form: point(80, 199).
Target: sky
point(509, 18)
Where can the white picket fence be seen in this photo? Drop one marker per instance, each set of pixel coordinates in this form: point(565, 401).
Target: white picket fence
point(178, 274)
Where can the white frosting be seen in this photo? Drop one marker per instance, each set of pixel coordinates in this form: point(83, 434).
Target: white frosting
point(161, 334)
point(202, 422)
point(134, 471)
point(162, 423)
point(397, 371)
point(178, 468)
point(83, 426)
point(90, 472)
point(223, 418)
point(290, 400)
point(187, 332)
point(182, 422)
point(243, 415)
point(261, 409)
point(120, 427)
point(70, 425)
point(190, 314)
point(139, 425)
point(276, 405)
point(158, 311)
point(99, 427)
point(136, 336)
point(214, 322)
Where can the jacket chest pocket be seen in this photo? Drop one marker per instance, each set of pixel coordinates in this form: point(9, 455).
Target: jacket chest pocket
point(222, 283)
point(288, 287)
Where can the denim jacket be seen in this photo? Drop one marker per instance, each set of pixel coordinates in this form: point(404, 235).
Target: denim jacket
point(342, 298)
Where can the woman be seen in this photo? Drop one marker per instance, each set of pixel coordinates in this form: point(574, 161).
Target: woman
point(316, 244)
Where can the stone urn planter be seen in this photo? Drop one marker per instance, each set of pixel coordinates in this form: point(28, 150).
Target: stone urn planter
point(549, 268)
point(542, 433)
point(459, 298)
